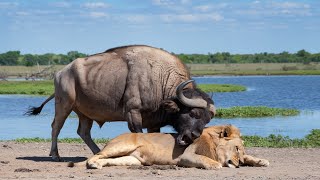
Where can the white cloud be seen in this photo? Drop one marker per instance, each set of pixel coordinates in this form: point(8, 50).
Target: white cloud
point(136, 19)
point(61, 4)
point(203, 8)
point(255, 2)
point(289, 5)
point(276, 9)
point(98, 15)
point(162, 2)
point(95, 5)
point(8, 4)
point(191, 18)
point(210, 7)
point(22, 13)
point(185, 1)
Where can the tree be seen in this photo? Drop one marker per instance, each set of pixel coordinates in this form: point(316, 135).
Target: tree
point(303, 53)
point(72, 55)
point(9, 58)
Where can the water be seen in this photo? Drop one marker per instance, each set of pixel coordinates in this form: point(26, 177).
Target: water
point(300, 92)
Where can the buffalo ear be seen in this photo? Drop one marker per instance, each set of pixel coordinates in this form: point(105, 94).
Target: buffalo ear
point(170, 106)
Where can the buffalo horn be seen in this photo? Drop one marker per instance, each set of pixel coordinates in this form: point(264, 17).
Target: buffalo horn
point(198, 102)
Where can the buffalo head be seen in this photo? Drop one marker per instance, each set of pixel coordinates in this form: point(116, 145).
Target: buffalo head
point(189, 112)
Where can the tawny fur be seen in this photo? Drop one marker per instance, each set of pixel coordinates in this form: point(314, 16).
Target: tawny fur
point(210, 151)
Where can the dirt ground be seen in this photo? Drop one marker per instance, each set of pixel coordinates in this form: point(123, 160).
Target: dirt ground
point(31, 161)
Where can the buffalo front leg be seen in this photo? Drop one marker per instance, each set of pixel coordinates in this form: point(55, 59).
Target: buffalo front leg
point(134, 120)
point(84, 131)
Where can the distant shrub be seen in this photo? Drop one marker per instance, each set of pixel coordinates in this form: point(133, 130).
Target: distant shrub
point(221, 87)
point(278, 141)
point(254, 111)
point(289, 68)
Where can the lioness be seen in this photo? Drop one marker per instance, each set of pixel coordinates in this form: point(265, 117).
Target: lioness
point(217, 146)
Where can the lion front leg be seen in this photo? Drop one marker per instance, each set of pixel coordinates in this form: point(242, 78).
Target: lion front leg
point(93, 163)
point(254, 161)
point(198, 161)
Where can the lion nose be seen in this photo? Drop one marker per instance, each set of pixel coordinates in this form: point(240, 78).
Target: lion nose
point(231, 163)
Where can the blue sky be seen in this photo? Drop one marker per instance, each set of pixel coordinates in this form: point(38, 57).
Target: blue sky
point(180, 26)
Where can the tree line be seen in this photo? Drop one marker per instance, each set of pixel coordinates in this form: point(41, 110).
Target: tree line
point(13, 58)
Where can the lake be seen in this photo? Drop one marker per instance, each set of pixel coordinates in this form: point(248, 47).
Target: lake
point(299, 92)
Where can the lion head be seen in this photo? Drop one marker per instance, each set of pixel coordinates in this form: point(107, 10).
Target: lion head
point(223, 131)
point(230, 152)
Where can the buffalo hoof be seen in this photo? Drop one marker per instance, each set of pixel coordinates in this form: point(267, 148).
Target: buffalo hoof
point(56, 158)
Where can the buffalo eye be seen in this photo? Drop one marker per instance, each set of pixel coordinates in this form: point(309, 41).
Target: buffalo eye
point(195, 114)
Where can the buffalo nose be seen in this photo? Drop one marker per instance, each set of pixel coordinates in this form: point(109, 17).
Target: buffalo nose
point(195, 134)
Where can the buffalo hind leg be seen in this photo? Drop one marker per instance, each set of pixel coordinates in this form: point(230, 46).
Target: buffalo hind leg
point(60, 117)
point(84, 131)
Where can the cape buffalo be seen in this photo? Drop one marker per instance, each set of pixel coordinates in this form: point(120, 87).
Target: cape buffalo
point(145, 86)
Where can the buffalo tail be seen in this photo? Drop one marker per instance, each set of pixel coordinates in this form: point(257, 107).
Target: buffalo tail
point(37, 110)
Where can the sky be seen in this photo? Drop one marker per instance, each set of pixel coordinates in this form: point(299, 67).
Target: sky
point(179, 26)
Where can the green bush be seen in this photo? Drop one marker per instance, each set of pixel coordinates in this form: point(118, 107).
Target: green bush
point(254, 111)
point(221, 87)
point(278, 141)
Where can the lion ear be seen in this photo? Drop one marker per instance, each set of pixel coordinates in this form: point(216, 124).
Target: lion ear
point(170, 106)
point(228, 130)
point(214, 135)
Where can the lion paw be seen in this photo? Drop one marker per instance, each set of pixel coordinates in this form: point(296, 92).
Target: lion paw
point(214, 166)
point(263, 162)
point(94, 165)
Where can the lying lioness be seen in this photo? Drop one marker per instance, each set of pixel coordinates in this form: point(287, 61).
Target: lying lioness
point(217, 146)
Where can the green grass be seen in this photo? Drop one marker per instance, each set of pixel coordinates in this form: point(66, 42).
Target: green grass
point(248, 72)
point(26, 87)
point(278, 141)
point(205, 69)
point(47, 87)
point(221, 87)
point(254, 111)
point(272, 141)
point(63, 140)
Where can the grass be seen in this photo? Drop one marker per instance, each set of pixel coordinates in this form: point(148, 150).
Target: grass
point(246, 73)
point(254, 111)
point(47, 87)
point(204, 69)
point(221, 87)
point(278, 141)
point(255, 69)
point(63, 140)
point(26, 87)
point(272, 141)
